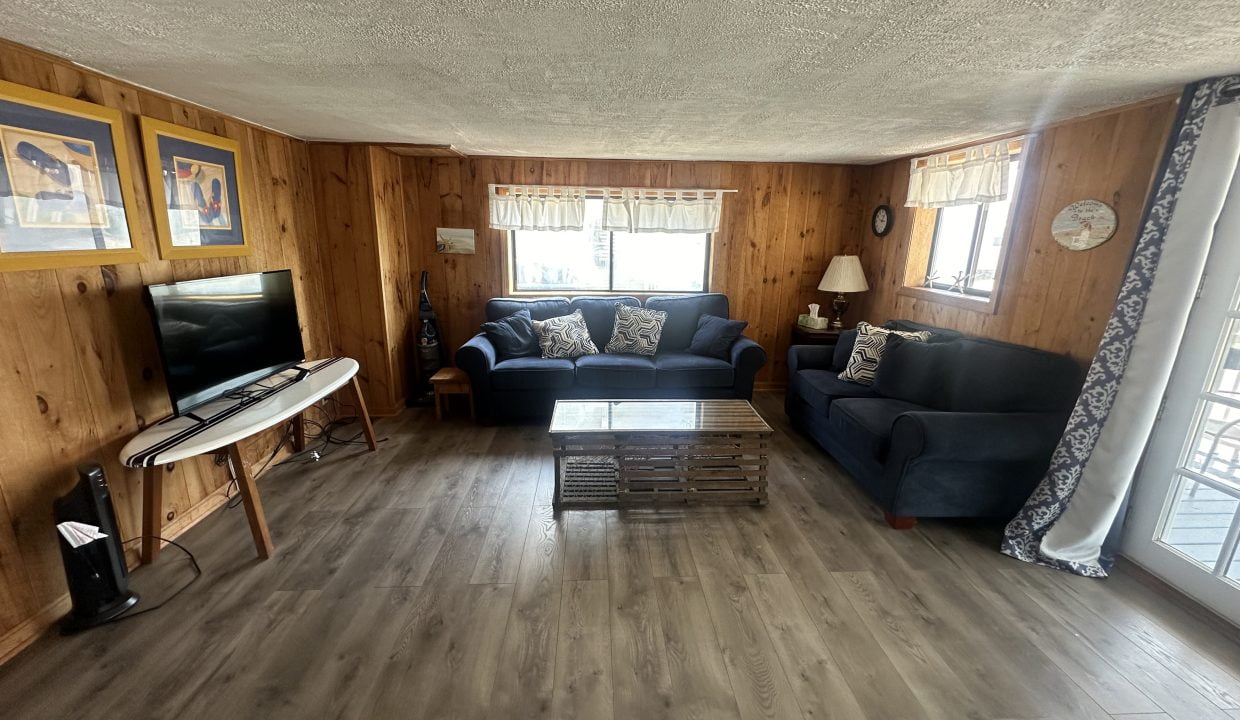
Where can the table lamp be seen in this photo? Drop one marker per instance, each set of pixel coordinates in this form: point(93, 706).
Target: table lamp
point(843, 275)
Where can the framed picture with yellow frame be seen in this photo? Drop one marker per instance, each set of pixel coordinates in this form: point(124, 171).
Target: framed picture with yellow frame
point(66, 193)
point(197, 184)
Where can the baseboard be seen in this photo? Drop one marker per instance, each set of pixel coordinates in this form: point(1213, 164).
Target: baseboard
point(1177, 597)
point(20, 637)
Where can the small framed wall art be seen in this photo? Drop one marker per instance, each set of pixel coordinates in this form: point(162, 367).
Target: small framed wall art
point(197, 183)
point(66, 193)
point(454, 240)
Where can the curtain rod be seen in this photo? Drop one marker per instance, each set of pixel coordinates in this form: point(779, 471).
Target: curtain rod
point(956, 155)
point(602, 188)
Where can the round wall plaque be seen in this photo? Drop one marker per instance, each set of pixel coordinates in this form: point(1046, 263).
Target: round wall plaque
point(1084, 225)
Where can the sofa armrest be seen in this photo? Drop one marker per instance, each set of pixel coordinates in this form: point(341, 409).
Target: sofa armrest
point(477, 355)
point(806, 357)
point(976, 436)
point(477, 358)
point(748, 357)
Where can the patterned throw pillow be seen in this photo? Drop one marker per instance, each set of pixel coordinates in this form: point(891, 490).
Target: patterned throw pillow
point(868, 351)
point(565, 336)
point(637, 330)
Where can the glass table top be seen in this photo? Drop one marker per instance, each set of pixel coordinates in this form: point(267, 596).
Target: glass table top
point(581, 416)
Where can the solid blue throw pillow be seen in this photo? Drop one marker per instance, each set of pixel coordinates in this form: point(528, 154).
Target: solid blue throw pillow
point(715, 336)
point(513, 336)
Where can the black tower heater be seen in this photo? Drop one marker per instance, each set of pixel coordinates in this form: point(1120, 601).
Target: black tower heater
point(98, 578)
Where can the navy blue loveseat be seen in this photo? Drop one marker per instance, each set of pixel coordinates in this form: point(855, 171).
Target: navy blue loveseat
point(954, 427)
point(527, 387)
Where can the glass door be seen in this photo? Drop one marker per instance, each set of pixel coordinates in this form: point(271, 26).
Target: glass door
point(1184, 523)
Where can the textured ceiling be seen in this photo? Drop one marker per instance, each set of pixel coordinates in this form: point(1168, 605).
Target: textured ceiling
point(804, 80)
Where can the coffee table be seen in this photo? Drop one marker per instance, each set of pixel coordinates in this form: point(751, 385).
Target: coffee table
point(658, 451)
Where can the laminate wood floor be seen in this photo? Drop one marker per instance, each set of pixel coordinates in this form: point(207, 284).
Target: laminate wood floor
point(432, 580)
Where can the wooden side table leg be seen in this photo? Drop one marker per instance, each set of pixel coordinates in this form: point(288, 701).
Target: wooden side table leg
point(253, 505)
point(438, 404)
point(299, 432)
point(152, 512)
point(363, 415)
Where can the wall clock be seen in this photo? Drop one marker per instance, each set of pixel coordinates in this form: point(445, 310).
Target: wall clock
point(1084, 225)
point(882, 220)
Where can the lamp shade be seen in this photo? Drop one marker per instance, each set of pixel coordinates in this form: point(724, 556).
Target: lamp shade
point(844, 275)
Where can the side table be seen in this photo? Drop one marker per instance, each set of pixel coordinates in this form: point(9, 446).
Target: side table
point(802, 335)
point(451, 381)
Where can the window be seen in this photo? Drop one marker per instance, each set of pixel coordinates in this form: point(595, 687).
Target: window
point(594, 259)
point(968, 243)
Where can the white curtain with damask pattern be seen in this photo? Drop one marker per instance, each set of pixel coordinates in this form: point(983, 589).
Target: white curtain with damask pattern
point(1069, 519)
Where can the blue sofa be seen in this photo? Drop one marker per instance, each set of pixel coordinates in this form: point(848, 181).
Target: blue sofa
point(527, 387)
point(954, 427)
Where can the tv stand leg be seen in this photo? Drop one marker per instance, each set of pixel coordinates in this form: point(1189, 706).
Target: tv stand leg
point(299, 432)
point(363, 416)
point(152, 512)
point(253, 505)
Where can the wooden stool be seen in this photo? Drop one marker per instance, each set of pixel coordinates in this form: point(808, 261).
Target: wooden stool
point(451, 381)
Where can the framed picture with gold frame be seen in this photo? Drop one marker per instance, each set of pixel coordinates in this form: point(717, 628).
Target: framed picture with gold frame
point(66, 193)
point(197, 184)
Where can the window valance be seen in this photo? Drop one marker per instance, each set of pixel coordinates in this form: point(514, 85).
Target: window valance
point(638, 210)
point(676, 211)
point(977, 174)
point(520, 207)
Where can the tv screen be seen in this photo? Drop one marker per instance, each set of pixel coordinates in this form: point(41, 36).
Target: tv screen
point(219, 334)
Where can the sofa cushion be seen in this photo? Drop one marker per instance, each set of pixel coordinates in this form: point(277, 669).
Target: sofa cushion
point(994, 376)
point(715, 336)
point(533, 373)
point(683, 312)
point(865, 423)
point(513, 336)
point(615, 370)
point(843, 349)
point(686, 370)
point(637, 330)
point(937, 334)
point(819, 388)
point(919, 372)
point(564, 337)
point(868, 351)
point(844, 345)
point(600, 313)
point(540, 308)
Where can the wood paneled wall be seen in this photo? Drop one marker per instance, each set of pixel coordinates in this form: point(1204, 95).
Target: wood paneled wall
point(359, 198)
point(79, 369)
point(777, 235)
point(1051, 298)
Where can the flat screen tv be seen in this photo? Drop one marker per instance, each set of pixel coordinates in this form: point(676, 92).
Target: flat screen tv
point(219, 334)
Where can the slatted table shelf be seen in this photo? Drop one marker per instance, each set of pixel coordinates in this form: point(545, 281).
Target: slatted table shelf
point(658, 451)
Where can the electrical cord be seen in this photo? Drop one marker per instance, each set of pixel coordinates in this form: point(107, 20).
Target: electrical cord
point(235, 500)
point(192, 561)
point(323, 438)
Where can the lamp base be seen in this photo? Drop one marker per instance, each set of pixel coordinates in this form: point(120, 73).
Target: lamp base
point(839, 306)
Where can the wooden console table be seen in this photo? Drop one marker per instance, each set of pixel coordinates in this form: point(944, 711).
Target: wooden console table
point(647, 451)
point(224, 423)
